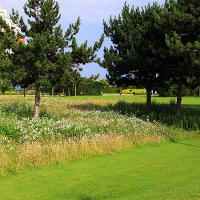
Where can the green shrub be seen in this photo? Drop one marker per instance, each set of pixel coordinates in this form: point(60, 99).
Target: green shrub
point(111, 90)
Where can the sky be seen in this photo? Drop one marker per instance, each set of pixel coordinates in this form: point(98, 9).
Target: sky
point(92, 13)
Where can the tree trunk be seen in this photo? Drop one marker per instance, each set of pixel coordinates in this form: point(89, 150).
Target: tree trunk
point(24, 93)
point(74, 89)
point(179, 99)
point(52, 91)
point(17, 89)
point(148, 103)
point(69, 92)
point(37, 102)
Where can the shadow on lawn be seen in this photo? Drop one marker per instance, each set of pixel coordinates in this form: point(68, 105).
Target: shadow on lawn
point(192, 145)
point(162, 113)
point(182, 143)
point(192, 107)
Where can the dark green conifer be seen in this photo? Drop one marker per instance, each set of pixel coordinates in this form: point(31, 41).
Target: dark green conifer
point(183, 43)
point(46, 54)
point(133, 57)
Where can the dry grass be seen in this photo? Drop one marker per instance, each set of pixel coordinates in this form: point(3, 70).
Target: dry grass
point(21, 156)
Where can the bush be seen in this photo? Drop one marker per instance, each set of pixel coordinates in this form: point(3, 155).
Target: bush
point(111, 90)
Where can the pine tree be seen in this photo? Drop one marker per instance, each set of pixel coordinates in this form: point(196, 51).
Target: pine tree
point(137, 42)
point(183, 42)
point(7, 40)
point(45, 55)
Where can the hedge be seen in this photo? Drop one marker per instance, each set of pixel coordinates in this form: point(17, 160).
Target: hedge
point(132, 91)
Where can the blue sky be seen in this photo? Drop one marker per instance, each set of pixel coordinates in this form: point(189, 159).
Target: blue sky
point(92, 13)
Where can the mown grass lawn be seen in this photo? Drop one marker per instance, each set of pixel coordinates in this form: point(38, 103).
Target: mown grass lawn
point(168, 171)
point(187, 102)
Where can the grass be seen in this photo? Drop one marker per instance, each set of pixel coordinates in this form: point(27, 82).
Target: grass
point(187, 102)
point(168, 171)
point(68, 130)
point(163, 108)
point(82, 148)
point(64, 133)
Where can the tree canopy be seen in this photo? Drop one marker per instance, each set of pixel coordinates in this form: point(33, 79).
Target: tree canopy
point(133, 57)
point(7, 40)
point(182, 40)
point(153, 45)
point(49, 53)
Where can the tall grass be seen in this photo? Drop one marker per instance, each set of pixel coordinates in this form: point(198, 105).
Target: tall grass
point(18, 157)
point(162, 113)
point(68, 130)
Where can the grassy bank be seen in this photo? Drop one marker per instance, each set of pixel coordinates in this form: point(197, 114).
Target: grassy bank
point(168, 171)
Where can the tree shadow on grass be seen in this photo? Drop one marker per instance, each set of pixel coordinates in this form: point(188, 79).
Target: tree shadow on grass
point(162, 113)
point(90, 107)
point(192, 145)
point(86, 197)
point(182, 143)
point(192, 107)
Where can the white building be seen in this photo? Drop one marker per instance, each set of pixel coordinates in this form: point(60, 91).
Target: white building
point(6, 17)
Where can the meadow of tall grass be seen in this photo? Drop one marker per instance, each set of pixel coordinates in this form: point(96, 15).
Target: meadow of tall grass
point(68, 130)
point(162, 113)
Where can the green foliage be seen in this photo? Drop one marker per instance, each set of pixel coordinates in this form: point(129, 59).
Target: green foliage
point(86, 86)
point(49, 53)
point(7, 40)
point(111, 89)
point(182, 41)
point(5, 85)
point(8, 128)
point(196, 91)
point(91, 86)
point(21, 110)
point(9, 131)
point(154, 45)
point(138, 41)
point(171, 90)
